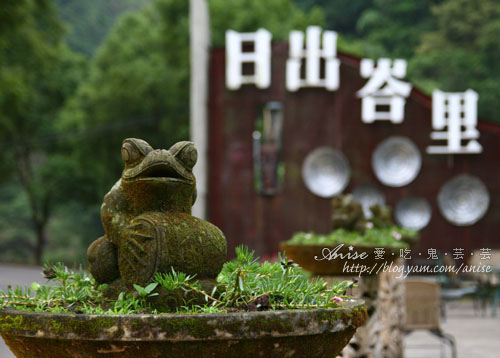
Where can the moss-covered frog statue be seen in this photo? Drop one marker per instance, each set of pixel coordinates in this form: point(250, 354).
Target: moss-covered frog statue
point(148, 223)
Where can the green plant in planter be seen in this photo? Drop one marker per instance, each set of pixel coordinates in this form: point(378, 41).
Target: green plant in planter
point(372, 237)
point(243, 285)
point(351, 227)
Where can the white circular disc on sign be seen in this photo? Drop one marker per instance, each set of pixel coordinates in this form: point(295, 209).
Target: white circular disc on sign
point(396, 161)
point(413, 213)
point(463, 200)
point(326, 172)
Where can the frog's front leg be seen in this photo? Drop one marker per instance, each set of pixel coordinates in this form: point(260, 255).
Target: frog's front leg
point(103, 260)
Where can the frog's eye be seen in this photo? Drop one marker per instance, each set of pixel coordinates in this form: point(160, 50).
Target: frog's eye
point(185, 152)
point(188, 155)
point(130, 154)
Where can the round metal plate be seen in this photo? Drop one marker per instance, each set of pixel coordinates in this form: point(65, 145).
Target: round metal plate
point(326, 172)
point(463, 200)
point(396, 161)
point(413, 213)
point(368, 195)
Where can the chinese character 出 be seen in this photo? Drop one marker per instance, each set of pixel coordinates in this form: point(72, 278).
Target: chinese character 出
point(379, 253)
point(432, 254)
point(458, 253)
point(485, 254)
point(454, 111)
point(260, 57)
point(405, 254)
point(313, 53)
point(383, 96)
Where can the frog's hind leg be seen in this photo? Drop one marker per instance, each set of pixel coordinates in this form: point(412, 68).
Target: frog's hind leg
point(103, 260)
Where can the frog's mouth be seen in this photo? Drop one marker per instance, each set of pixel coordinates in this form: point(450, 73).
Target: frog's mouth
point(166, 170)
point(163, 171)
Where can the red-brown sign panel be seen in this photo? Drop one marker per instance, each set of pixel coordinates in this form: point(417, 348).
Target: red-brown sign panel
point(315, 117)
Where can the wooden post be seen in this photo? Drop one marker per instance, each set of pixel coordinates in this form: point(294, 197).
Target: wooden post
point(199, 24)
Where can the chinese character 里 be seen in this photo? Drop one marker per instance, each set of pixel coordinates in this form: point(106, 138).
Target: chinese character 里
point(454, 117)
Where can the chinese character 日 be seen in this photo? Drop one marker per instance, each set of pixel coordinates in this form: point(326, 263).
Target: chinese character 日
point(312, 55)
point(260, 57)
point(455, 111)
point(383, 96)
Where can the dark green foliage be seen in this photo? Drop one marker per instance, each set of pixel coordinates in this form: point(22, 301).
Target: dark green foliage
point(277, 16)
point(340, 15)
point(462, 52)
point(397, 25)
point(37, 74)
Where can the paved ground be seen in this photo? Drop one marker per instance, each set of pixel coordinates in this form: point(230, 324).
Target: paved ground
point(477, 337)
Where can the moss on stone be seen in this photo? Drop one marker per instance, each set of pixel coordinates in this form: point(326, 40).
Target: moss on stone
point(274, 333)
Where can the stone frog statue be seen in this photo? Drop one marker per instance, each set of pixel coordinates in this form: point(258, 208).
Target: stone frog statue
point(148, 223)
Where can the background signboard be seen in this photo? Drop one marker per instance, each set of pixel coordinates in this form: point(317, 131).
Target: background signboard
point(315, 117)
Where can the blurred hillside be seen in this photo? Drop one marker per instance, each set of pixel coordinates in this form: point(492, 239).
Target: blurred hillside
point(89, 21)
point(77, 77)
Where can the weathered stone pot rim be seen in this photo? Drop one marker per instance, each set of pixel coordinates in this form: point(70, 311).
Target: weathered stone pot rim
point(315, 259)
point(285, 244)
point(183, 327)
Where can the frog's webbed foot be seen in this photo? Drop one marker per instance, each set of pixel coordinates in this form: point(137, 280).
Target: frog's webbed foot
point(103, 260)
point(138, 251)
point(135, 241)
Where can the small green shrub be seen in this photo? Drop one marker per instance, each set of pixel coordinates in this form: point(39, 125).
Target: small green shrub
point(242, 284)
point(373, 237)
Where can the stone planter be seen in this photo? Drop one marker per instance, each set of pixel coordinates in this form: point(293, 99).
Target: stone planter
point(312, 258)
point(291, 333)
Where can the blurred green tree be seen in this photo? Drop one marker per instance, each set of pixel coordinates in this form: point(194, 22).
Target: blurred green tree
point(462, 52)
point(136, 86)
point(138, 83)
point(277, 16)
point(340, 15)
point(396, 25)
point(37, 73)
